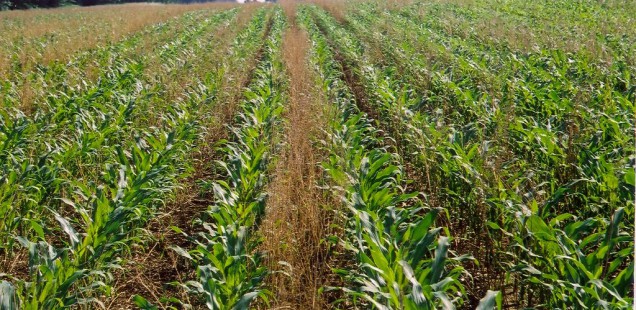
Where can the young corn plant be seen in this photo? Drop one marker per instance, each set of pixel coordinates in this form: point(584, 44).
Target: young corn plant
point(581, 264)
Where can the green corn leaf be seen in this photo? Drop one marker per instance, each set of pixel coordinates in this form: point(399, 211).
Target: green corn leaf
point(538, 227)
point(446, 303)
point(416, 294)
point(182, 252)
point(244, 302)
point(440, 258)
point(68, 229)
point(492, 300)
point(8, 299)
point(612, 230)
point(143, 304)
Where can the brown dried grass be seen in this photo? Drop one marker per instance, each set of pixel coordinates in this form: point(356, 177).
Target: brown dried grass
point(44, 35)
point(335, 7)
point(295, 223)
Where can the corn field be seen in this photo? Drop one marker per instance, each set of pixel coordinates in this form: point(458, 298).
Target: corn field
point(454, 155)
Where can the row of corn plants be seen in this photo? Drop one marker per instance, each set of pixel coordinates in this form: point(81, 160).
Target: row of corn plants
point(36, 84)
point(51, 117)
point(550, 23)
point(36, 37)
point(76, 136)
point(238, 59)
point(229, 270)
point(403, 260)
point(394, 100)
point(555, 269)
point(111, 209)
point(561, 213)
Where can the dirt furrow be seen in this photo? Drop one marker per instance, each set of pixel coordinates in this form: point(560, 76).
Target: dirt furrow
point(295, 223)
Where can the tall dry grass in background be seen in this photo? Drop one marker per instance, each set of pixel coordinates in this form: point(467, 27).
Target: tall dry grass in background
point(40, 36)
point(334, 7)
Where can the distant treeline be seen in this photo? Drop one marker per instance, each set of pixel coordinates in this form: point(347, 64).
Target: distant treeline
point(26, 4)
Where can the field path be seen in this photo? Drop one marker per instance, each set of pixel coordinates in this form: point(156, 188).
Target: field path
point(295, 223)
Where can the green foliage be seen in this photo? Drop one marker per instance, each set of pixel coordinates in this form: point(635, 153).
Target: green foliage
point(521, 148)
point(402, 261)
point(229, 270)
point(584, 264)
point(509, 141)
point(105, 175)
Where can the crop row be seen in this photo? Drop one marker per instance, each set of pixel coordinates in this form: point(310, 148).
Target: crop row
point(102, 210)
point(229, 268)
point(34, 38)
point(25, 89)
point(402, 259)
point(72, 139)
point(449, 128)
